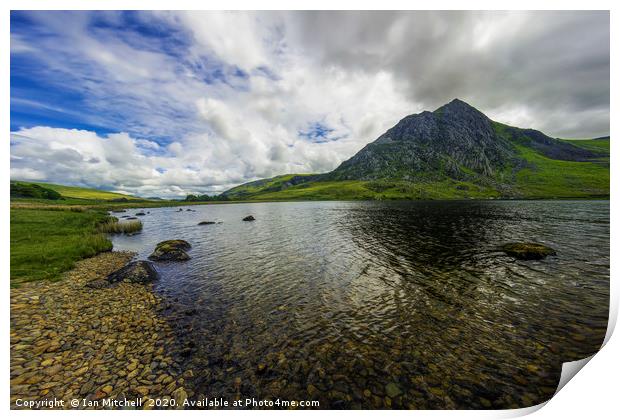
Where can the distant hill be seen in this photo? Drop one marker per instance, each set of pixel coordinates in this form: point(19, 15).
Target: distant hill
point(80, 192)
point(451, 153)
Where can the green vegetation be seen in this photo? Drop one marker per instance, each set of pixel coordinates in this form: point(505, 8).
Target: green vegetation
point(550, 178)
point(85, 193)
point(46, 243)
point(113, 225)
point(48, 235)
point(594, 145)
point(370, 190)
point(26, 190)
point(275, 184)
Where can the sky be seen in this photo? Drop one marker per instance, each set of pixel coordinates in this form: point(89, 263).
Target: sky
point(173, 103)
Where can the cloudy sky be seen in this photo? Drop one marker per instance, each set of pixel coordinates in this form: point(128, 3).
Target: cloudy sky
point(170, 103)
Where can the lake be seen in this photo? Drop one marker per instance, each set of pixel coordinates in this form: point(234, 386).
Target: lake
point(383, 304)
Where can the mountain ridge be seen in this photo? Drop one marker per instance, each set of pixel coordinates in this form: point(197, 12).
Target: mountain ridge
point(457, 148)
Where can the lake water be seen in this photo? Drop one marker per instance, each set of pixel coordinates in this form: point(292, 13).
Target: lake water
point(383, 304)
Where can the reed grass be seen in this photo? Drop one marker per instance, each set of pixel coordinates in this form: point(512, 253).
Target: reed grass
point(113, 225)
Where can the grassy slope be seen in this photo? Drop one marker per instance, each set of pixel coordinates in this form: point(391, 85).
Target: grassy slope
point(84, 193)
point(543, 178)
point(45, 243)
point(551, 178)
point(373, 190)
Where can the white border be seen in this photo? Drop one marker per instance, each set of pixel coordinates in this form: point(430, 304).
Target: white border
point(592, 394)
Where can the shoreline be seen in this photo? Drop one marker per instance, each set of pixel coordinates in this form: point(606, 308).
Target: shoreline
point(72, 342)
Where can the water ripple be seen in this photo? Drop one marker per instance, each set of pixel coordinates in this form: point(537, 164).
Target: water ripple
point(339, 299)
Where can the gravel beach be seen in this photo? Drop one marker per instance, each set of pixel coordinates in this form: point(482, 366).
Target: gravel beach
point(71, 342)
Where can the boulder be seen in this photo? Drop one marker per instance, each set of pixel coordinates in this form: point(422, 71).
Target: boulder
point(140, 213)
point(206, 223)
point(134, 272)
point(171, 250)
point(249, 218)
point(528, 250)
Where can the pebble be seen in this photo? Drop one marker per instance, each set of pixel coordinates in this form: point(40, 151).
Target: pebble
point(69, 341)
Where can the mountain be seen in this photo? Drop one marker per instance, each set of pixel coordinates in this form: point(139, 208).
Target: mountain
point(453, 152)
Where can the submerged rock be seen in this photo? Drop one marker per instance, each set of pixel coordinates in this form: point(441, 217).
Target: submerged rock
point(392, 390)
point(171, 250)
point(248, 218)
point(135, 272)
point(528, 250)
point(140, 213)
point(206, 223)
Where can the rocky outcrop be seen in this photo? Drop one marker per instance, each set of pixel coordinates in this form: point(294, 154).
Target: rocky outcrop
point(528, 251)
point(171, 250)
point(249, 218)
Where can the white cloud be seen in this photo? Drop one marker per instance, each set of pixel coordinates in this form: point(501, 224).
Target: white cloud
point(229, 100)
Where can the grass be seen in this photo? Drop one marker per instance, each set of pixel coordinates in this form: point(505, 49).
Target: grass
point(595, 145)
point(377, 190)
point(85, 193)
point(45, 243)
point(550, 178)
point(113, 225)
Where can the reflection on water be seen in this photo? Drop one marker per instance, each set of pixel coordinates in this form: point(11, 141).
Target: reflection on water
point(384, 304)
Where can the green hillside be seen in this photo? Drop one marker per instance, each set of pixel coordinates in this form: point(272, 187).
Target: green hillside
point(542, 177)
point(85, 193)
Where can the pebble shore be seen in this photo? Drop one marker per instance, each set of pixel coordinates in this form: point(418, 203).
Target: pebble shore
point(72, 342)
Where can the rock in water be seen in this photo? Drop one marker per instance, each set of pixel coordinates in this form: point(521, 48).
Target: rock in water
point(392, 390)
point(528, 250)
point(140, 213)
point(206, 223)
point(248, 218)
point(171, 250)
point(135, 272)
point(175, 243)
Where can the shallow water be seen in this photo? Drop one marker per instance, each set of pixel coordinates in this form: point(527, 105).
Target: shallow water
point(383, 304)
